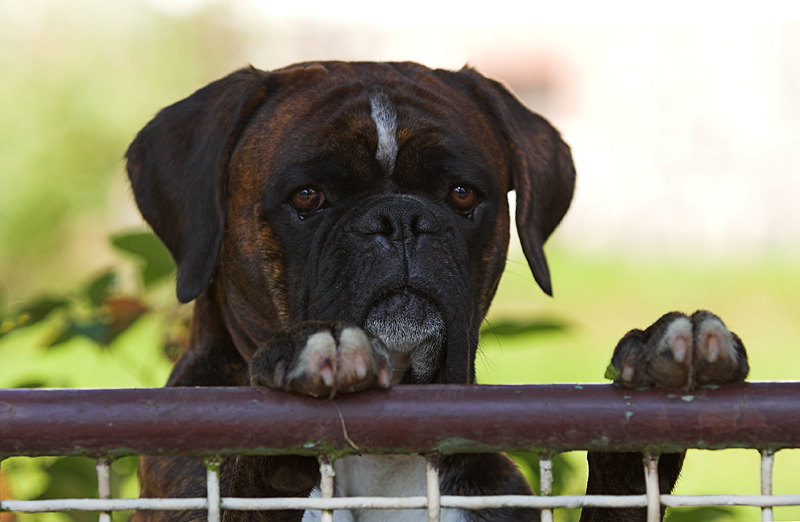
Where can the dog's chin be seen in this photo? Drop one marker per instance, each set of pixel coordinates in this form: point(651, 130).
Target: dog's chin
point(412, 328)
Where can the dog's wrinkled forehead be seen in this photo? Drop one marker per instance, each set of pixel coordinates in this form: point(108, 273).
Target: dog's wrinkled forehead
point(372, 130)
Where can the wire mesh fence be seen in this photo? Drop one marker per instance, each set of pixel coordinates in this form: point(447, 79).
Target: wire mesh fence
point(425, 420)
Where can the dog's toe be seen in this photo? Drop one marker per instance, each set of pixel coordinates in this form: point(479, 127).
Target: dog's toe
point(362, 362)
point(670, 363)
point(718, 353)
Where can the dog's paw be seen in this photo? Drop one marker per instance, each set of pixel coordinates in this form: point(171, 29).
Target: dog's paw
point(679, 352)
point(322, 358)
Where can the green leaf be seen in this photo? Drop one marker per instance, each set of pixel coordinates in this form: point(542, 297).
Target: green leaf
point(115, 317)
point(37, 383)
point(158, 262)
point(515, 328)
point(612, 373)
point(66, 333)
point(43, 382)
point(98, 330)
point(100, 287)
point(38, 310)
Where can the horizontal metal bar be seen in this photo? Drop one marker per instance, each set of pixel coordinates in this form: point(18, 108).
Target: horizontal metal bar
point(730, 500)
point(562, 501)
point(256, 504)
point(404, 419)
point(95, 504)
point(447, 501)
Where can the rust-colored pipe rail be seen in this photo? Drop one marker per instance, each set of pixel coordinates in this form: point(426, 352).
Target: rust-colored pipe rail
point(447, 419)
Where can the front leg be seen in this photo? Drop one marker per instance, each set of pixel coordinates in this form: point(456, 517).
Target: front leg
point(676, 352)
point(314, 358)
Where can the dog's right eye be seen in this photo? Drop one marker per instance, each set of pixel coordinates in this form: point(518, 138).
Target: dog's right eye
point(464, 199)
point(307, 201)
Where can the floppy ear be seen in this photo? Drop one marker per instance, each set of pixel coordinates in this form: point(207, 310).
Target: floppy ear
point(178, 169)
point(543, 174)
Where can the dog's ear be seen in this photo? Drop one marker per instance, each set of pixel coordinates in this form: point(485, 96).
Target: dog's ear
point(543, 174)
point(178, 169)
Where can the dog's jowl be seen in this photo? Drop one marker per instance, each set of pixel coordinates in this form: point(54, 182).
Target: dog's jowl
point(342, 226)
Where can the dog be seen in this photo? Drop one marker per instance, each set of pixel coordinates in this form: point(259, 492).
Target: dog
point(343, 226)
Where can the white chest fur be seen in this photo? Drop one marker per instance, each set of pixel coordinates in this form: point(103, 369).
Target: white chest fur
point(381, 476)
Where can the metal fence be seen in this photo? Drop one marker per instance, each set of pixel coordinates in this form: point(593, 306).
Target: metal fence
point(425, 420)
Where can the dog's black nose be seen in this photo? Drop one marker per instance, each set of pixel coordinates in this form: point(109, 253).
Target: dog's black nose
point(398, 219)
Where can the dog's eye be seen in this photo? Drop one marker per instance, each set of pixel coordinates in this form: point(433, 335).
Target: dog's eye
point(464, 199)
point(307, 201)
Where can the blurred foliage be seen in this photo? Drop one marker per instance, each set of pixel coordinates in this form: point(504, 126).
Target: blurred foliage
point(84, 77)
point(521, 328)
point(99, 312)
point(699, 514)
point(47, 478)
point(157, 261)
point(96, 311)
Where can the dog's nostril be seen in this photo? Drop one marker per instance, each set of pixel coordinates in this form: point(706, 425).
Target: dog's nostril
point(388, 226)
point(422, 224)
point(377, 224)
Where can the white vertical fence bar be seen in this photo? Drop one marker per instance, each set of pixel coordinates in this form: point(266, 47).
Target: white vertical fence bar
point(104, 486)
point(326, 485)
point(546, 483)
point(212, 487)
point(432, 479)
point(767, 460)
point(652, 488)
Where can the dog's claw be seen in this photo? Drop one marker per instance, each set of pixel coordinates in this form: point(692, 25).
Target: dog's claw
point(360, 366)
point(326, 373)
point(679, 349)
point(712, 348)
point(384, 377)
point(279, 375)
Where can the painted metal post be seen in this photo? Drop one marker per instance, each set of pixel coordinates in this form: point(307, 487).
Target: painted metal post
point(104, 486)
point(767, 460)
point(546, 483)
point(432, 479)
point(212, 487)
point(652, 487)
point(326, 484)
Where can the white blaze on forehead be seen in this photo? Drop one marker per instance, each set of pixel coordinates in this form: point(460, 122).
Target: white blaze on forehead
point(385, 118)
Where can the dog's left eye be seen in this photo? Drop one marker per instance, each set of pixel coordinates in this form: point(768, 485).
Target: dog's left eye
point(464, 199)
point(307, 201)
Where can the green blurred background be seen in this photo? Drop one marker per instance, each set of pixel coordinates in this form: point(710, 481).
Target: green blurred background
point(79, 79)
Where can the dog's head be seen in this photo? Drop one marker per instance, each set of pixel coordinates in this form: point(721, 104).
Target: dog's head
point(361, 192)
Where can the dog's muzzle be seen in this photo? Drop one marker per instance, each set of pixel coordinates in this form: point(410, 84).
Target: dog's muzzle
point(413, 330)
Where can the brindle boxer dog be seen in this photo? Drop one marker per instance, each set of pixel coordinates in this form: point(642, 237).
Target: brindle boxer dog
point(343, 226)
